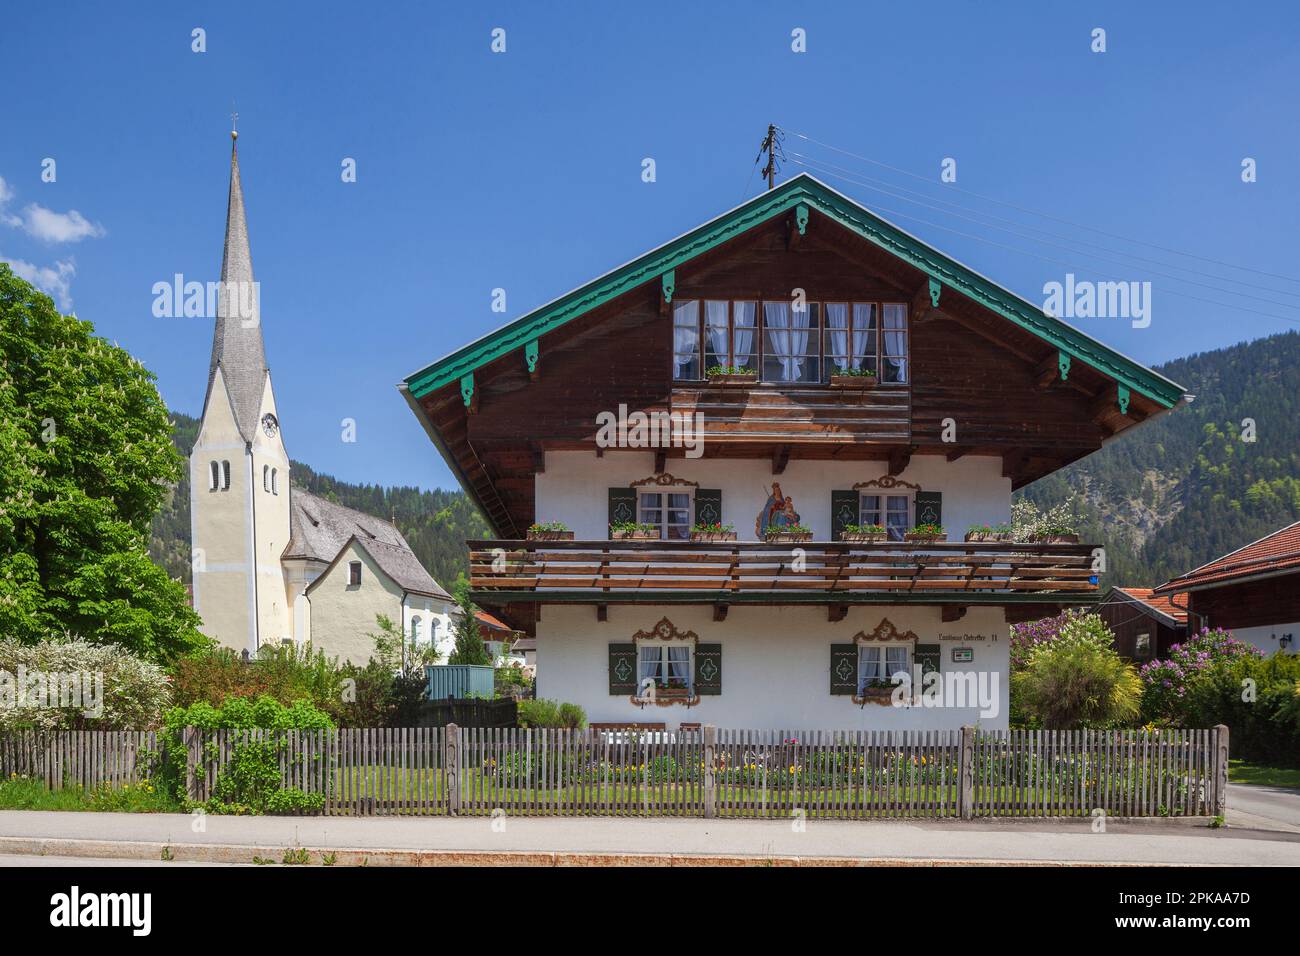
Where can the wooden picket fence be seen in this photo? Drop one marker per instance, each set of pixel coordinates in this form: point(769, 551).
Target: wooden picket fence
point(81, 758)
point(712, 772)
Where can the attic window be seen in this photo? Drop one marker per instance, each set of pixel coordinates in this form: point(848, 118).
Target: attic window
point(354, 574)
point(789, 344)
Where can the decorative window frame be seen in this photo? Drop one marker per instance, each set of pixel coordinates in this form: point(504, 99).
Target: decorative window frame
point(663, 480)
point(885, 486)
point(881, 636)
point(668, 633)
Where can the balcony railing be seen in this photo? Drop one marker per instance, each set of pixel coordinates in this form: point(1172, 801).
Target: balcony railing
point(600, 571)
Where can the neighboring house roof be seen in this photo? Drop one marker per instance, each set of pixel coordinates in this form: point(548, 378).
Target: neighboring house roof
point(237, 339)
point(1271, 554)
point(399, 563)
point(524, 644)
point(803, 193)
point(487, 620)
point(1159, 606)
point(318, 528)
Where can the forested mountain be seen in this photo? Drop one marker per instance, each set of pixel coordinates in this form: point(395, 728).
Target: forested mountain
point(435, 523)
point(1171, 495)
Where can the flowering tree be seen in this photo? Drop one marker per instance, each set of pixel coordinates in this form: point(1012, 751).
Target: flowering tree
point(1165, 682)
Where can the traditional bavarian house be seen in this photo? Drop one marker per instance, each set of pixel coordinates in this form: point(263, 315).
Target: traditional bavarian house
point(751, 437)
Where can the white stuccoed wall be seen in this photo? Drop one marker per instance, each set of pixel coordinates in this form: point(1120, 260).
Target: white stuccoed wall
point(776, 660)
point(1266, 637)
point(775, 665)
point(574, 487)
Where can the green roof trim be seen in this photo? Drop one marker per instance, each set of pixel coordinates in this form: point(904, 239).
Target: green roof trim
point(808, 191)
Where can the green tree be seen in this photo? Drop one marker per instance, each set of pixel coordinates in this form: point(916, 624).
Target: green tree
point(1077, 680)
point(469, 648)
point(85, 460)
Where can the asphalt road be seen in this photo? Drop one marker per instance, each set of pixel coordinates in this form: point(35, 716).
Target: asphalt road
point(1264, 807)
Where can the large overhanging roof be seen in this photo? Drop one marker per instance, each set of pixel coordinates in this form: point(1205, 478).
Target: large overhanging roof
point(804, 194)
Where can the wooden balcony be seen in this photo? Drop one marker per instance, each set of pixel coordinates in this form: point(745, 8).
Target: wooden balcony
point(599, 572)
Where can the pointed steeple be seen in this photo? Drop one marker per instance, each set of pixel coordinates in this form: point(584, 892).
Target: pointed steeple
point(237, 347)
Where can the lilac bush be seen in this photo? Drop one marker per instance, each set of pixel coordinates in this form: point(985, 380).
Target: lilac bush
point(1165, 682)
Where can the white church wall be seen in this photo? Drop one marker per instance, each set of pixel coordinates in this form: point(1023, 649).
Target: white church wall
point(343, 615)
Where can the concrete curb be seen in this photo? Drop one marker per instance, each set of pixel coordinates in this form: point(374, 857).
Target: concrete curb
point(315, 856)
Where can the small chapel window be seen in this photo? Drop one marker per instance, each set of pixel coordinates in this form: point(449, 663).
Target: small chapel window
point(354, 573)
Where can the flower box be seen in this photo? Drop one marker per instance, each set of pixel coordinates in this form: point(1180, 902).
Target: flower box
point(742, 378)
point(788, 537)
point(549, 535)
point(988, 536)
point(634, 535)
point(881, 696)
point(917, 537)
point(1056, 539)
point(864, 537)
point(713, 536)
point(854, 382)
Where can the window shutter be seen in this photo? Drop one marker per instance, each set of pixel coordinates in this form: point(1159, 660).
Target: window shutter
point(844, 669)
point(622, 668)
point(708, 506)
point(622, 505)
point(928, 657)
point(844, 511)
point(708, 669)
point(929, 507)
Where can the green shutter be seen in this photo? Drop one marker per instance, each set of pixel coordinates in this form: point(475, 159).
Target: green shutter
point(928, 657)
point(844, 511)
point(622, 668)
point(622, 505)
point(929, 507)
point(708, 669)
point(844, 669)
point(708, 506)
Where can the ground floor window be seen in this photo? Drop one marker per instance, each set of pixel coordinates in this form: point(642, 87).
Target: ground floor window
point(878, 663)
point(668, 665)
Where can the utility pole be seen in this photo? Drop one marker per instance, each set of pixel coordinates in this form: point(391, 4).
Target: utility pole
point(769, 144)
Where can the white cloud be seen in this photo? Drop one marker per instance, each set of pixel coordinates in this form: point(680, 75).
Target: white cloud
point(56, 279)
point(46, 224)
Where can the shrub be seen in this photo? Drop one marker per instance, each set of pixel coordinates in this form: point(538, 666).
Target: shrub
point(1077, 680)
point(1257, 697)
point(549, 713)
point(513, 681)
point(251, 778)
point(286, 673)
point(1025, 637)
point(1165, 682)
point(119, 690)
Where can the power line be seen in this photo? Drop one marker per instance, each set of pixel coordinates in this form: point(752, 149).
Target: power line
point(1034, 212)
point(1067, 248)
point(1027, 252)
point(822, 165)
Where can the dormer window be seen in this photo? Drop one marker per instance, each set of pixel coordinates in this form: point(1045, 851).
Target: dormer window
point(790, 342)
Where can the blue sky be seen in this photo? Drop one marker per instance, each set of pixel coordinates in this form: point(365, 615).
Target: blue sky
point(522, 170)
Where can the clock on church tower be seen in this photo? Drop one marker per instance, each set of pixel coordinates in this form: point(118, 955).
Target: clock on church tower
point(270, 425)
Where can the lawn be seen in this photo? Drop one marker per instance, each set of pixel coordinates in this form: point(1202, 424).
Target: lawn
point(1239, 771)
point(24, 793)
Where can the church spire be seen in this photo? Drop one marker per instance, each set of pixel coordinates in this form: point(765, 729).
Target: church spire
point(237, 347)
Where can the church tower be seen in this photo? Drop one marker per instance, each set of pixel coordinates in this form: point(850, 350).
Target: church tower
point(239, 469)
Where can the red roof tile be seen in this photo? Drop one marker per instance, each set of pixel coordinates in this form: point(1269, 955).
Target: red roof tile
point(1279, 551)
point(1161, 603)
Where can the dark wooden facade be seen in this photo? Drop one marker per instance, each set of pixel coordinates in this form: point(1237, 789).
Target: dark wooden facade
point(1259, 603)
point(999, 383)
point(1129, 618)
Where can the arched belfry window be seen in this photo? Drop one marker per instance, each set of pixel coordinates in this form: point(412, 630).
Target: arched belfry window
point(266, 477)
point(214, 476)
point(225, 476)
point(275, 481)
